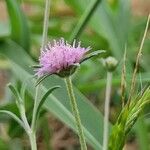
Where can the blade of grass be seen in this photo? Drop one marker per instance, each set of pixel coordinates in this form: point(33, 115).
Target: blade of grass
point(19, 121)
point(18, 24)
point(123, 78)
point(84, 19)
point(133, 82)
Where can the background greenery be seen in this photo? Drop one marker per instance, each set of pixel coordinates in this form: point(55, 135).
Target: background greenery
point(113, 24)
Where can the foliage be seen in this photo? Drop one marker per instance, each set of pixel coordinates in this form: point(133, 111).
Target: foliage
point(127, 119)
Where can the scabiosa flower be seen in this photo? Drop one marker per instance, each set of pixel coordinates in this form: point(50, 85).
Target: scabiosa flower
point(61, 58)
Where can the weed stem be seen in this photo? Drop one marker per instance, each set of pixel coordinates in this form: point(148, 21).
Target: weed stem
point(75, 112)
point(106, 110)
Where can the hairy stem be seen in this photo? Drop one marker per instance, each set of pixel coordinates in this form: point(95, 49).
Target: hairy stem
point(106, 110)
point(75, 113)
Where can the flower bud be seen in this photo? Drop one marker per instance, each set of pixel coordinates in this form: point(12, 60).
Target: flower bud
point(110, 63)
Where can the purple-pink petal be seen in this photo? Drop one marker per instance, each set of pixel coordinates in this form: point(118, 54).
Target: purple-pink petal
point(58, 56)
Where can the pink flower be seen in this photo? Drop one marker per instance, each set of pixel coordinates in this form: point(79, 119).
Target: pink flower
point(60, 58)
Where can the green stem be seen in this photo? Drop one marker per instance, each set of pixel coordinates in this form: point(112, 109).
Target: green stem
point(106, 110)
point(29, 131)
point(24, 118)
point(32, 138)
point(76, 113)
point(44, 40)
point(45, 25)
point(33, 124)
point(84, 19)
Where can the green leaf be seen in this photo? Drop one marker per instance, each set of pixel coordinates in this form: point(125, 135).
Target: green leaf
point(16, 94)
point(58, 102)
point(127, 118)
point(14, 117)
point(39, 80)
point(92, 54)
point(23, 90)
point(45, 97)
point(18, 24)
point(90, 9)
point(36, 66)
point(13, 90)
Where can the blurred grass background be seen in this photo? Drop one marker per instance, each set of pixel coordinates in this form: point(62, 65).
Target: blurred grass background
point(114, 23)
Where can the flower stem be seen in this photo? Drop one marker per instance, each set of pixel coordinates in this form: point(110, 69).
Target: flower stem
point(44, 40)
point(75, 112)
point(106, 110)
point(32, 138)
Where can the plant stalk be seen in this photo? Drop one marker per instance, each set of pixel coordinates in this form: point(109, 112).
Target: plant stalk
point(44, 40)
point(45, 24)
point(106, 110)
point(24, 118)
point(32, 138)
point(33, 124)
point(75, 112)
point(30, 132)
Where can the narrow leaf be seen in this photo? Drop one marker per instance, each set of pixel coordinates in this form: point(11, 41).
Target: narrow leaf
point(23, 90)
point(139, 54)
point(87, 14)
point(18, 23)
point(123, 78)
point(24, 86)
point(12, 115)
point(43, 100)
point(15, 92)
point(45, 97)
point(41, 79)
point(35, 66)
point(92, 54)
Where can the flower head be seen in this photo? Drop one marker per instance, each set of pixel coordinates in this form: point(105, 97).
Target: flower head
point(60, 58)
